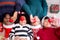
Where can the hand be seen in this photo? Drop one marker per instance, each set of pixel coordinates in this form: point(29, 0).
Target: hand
point(23, 38)
point(19, 12)
point(6, 39)
point(3, 38)
point(17, 38)
point(55, 23)
point(37, 19)
point(22, 12)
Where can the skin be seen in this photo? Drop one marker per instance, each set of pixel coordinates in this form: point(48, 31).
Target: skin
point(46, 23)
point(6, 19)
point(23, 22)
point(37, 21)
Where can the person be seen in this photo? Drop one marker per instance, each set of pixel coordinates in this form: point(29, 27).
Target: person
point(10, 6)
point(57, 27)
point(47, 32)
point(8, 24)
point(35, 25)
point(58, 32)
point(36, 8)
point(22, 30)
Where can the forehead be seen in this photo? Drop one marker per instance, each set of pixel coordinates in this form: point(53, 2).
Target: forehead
point(46, 20)
point(7, 16)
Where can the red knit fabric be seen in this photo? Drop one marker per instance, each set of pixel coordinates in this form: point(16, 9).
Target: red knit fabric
point(7, 31)
point(47, 34)
point(58, 32)
point(1, 27)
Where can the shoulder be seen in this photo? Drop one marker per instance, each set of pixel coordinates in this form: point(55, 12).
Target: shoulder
point(27, 26)
point(16, 25)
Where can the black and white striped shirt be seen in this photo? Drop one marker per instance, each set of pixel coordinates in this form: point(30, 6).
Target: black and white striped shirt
point(22, 31)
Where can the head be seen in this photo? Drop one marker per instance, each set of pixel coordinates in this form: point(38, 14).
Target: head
point(6, 18)
point(46, 23)
point(35, 21)
point(22, 20)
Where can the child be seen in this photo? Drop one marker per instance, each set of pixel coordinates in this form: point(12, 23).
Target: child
point(55, 23)
point(22, 30)
point(57, 27)
point(46, 33)
point(35, 26)
point(8, 24)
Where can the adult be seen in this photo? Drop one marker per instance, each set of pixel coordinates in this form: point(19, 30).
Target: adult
point(10, 6)
point(36, 8)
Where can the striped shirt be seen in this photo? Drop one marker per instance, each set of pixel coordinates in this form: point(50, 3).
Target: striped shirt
point(22, 31)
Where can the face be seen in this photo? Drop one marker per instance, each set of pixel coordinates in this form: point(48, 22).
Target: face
point(6, 19)
point(36, 21)
point(46, 23)
point(23, 22)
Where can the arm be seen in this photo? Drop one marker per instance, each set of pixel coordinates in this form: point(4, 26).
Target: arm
point(11, 35)
point(14, 17)
point(27, 9)
point(19, 4)
point(45, 7)
point(30, 33)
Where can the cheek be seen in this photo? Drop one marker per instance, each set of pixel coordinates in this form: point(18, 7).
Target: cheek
point(46, 24)
point(20, 22)
point(24, 21)
point(5, 20)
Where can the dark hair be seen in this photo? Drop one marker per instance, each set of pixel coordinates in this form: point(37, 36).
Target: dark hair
point(46, 18)
point(4, 15)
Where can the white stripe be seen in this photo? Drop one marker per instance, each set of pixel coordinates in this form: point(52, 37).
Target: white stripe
point(19, 33)
point(8, 26)
point(21, 29)
point(13, 30)
point(30, 31)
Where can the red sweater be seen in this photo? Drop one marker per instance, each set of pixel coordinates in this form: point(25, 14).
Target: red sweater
point(58, 32)
point(8, 29)
point(47, 34)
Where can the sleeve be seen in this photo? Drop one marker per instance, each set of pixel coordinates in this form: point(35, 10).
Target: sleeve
point(38, 35)
point(57, 32)
point(30, 33)
point(11, 35)
point(19, 4)
point(45, 7)
point(27, 9)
